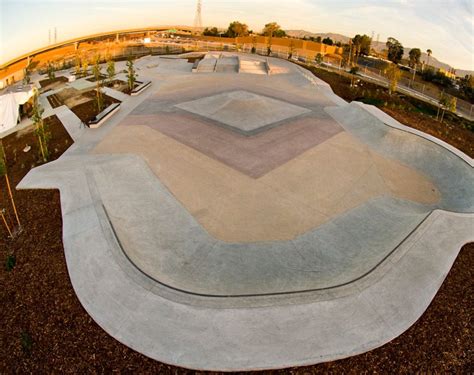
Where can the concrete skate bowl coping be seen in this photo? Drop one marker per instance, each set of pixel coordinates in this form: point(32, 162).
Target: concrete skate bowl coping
point(323, 235)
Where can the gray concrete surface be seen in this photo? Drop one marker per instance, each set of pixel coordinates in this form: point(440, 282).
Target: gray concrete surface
point(242, 110)
point(355, 282)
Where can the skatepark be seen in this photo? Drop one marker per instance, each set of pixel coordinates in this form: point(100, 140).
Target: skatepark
point(239, 215)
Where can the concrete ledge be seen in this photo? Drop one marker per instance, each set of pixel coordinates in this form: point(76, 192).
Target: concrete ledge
point(112, 109)
point(142, 87)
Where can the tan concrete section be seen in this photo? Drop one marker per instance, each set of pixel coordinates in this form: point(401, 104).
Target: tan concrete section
point(230, 205)
point(328, 179)
point(405, 182)
point(342, 173)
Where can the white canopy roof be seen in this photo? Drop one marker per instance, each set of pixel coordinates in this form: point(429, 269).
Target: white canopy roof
point(10, 101)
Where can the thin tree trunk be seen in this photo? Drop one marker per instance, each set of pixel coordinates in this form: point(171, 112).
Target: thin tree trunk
point(40, 141)
point(12, 200)
point(6, 224)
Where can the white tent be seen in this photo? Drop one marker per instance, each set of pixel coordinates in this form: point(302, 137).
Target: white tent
point(10, 102)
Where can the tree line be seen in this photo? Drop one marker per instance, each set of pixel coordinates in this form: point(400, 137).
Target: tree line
point(238, 29)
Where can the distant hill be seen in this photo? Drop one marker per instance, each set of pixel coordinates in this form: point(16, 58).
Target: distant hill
point(377, 46)
point(302, 33)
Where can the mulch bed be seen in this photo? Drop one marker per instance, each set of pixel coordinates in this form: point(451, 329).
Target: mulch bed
point(462, 139)
point(47, 82)
point(45, 329)
point(101, 77)
point(88, 110)
point(116, 84)
point(55, 101)
point(409, 111)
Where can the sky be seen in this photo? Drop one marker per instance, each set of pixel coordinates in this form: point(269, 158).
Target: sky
point(444, 26)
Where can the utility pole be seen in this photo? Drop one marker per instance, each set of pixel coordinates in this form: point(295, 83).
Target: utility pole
point(49, 36)
point(55, 35)
point(371, 40)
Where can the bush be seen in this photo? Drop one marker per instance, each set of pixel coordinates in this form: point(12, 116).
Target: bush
point(438, 78)
point(354, 70)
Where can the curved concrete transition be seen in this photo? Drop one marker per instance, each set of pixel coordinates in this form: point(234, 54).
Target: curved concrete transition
point(233, 221)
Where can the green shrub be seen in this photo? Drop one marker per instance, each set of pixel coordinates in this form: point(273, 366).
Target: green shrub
point(354, 70)
point(373, 101)
point(26, 342)
point(10, 263)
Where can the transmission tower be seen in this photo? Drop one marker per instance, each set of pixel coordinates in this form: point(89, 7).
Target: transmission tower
point(198, 17)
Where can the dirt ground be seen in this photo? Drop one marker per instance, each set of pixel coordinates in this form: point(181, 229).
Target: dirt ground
point(116, 84)
point(87, 110)
point(52, 84)
point(81, 103)
point(45, 329)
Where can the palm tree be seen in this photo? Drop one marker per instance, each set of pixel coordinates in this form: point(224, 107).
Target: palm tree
point(429, 52)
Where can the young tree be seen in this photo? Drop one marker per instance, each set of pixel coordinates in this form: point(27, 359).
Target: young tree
point(393, 75)
point(237, 29)
point(291, 49)
point(395, 50)
point(131, 75)
point(414, 57)
point(5, 222)
point(4, 173)
point(354, 70)
point(50, 71)
point(77, 65)
point(254, 44)
point(446, 103)
point(27, 74)
point(85, 66)
point(42, 131)
point(111, 69)
point(96, 71)
point(318, 59)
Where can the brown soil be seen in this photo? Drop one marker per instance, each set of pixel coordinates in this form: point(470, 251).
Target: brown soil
point(45, 329)
point(19, 162)
point(87, 110)
point(69, 97)
point(83, 104)
point(126, 89)
point(117, 84)
point(411, 112)
point(51, 84)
